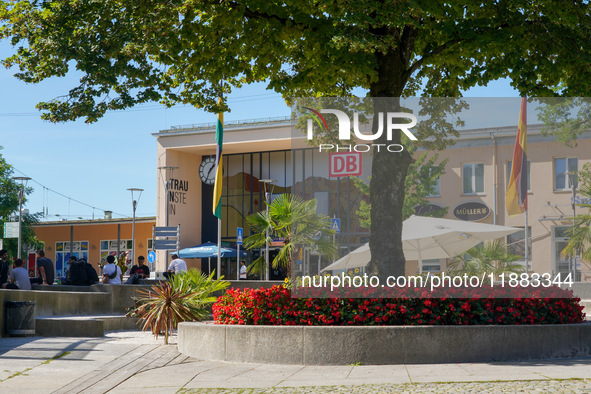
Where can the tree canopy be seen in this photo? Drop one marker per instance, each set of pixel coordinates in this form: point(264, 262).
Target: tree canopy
point(131, 52)
point(9, 206)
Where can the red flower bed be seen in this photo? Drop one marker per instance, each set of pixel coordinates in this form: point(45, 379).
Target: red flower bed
point(275, 306)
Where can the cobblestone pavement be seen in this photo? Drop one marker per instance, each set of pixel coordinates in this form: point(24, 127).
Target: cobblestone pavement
point(134, 362)
point(520, 386)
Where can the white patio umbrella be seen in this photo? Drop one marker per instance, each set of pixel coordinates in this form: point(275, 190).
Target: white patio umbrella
point(430, 238)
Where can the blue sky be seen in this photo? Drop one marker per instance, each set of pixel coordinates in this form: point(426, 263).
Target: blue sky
point(96, 164)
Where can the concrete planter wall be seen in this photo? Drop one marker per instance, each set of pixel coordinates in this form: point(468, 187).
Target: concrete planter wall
point(315, 345)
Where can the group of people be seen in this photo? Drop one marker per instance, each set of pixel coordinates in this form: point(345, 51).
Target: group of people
point(18, 278)
point(80, 272)
point(112, 273)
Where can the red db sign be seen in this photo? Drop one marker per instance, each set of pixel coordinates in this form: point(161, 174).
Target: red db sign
point(345, 164)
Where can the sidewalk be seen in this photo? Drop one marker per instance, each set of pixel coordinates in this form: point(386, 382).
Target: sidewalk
point(134, 362)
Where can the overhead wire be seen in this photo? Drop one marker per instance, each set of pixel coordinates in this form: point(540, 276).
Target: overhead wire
point(70, 199)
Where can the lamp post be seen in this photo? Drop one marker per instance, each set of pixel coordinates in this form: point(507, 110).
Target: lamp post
point(164, 173)
point(268, 190)
point(21, 194)
point(134, 204)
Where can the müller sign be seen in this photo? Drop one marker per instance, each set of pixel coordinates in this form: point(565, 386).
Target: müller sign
point(471, 211)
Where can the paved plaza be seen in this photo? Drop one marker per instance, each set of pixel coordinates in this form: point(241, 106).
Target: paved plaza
point(134, 362)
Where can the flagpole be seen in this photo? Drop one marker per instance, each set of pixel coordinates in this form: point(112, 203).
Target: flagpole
point(526, 243)
point(217, 190)
point(219, 248)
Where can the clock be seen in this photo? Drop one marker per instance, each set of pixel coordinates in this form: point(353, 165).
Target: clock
point(207, 170)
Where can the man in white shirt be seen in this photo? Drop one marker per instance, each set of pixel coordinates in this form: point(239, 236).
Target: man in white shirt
point(242, 270)
point(112, 273)
point(177, 265)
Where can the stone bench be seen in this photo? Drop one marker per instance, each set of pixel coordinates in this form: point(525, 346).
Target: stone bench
point(83, 326)
point(373, 345)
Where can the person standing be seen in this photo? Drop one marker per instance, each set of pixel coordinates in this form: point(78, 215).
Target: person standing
point(112, 273)
point(19, 277)
point(4, 266)
point(177, 265)
point(242, 270)
point(45, 270)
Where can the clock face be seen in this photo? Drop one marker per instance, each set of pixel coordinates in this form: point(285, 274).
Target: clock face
point(207, 170)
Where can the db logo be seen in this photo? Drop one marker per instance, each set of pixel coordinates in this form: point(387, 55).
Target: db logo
point(344, 164)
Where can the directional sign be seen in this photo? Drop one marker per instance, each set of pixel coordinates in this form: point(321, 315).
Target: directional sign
point(335, 224)
point(151, 256)
point(239, 236)
point(11, 230)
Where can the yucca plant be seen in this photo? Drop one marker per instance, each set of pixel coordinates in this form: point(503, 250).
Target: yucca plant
point(185, 297)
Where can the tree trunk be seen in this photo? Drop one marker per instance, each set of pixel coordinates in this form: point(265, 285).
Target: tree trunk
point(388, 172)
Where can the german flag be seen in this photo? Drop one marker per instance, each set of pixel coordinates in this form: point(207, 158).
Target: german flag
point(217, 189)
point(516, 199)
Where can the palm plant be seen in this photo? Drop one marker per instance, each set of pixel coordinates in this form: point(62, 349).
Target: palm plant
point(185, 297)
point(580, 232)
point(296, 222)
point(579, 236)
point(492, 258)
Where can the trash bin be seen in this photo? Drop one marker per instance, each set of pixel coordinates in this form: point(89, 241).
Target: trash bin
point(20, 317)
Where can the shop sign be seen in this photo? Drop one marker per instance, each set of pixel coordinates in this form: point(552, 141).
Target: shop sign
point(471, 211)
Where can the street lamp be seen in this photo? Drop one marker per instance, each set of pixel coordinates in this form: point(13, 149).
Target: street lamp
point(134, 204)
point(268, 190)
point(21, 193)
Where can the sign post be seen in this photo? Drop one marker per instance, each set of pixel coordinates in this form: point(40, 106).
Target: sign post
point(11, 230)
point(152, 260)
point(239, 236)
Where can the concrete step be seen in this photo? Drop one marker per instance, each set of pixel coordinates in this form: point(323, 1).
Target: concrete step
point(82, 326)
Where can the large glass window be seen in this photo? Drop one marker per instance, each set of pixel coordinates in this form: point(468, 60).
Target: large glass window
point(509, 167)
point(473, 178)
point(111, 247)
point(563, 167)
point(63, 251)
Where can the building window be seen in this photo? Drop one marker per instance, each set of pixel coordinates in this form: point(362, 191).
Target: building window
point(110, 247)
point(436, 192)
point(63, 251)
point(562, 168)
point(432, 265)
point(562, 265)
point(509, 167)
point(473, 178)
point(516, 245)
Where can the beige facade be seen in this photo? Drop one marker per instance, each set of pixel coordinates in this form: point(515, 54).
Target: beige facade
point(485, 152)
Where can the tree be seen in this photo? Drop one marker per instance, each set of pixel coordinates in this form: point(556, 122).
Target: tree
point(132, 52)
point(9, 206)
point(580, 232)
point(296, 222)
